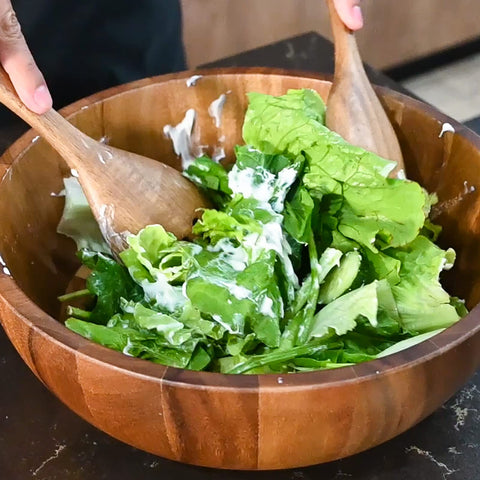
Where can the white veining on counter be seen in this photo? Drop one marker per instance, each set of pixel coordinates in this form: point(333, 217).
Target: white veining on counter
point(341, 474)
point(424, 453)
point(55, 455)
point(459, 409)
point(454, 451)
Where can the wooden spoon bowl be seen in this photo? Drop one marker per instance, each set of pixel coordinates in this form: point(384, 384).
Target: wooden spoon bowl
point(228, 421)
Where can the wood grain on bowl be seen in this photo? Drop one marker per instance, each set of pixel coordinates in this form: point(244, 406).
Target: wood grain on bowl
point(228, 421)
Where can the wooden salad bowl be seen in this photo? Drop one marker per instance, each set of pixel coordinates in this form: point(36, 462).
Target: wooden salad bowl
point(231, 421)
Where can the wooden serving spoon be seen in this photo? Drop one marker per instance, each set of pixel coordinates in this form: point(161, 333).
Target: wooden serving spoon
point(353, 109)
point(126, 191)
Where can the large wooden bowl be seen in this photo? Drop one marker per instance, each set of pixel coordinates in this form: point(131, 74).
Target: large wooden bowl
point(228, 421)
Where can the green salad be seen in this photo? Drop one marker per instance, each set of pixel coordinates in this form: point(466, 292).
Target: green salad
point(311, 259)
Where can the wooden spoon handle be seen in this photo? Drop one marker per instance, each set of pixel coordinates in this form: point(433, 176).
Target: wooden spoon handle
point(61, 134)
point(347, 56)
point(353, 108)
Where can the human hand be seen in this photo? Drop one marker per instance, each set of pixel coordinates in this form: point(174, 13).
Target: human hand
point(18, 62)
point(350, 13)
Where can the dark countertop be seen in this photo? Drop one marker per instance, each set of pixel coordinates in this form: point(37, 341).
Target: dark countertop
point(41, 439)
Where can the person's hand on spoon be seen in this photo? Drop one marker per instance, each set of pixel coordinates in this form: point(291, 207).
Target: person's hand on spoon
point(353, 108)
point(126, 192)
point(18, 62)
point(350, 13)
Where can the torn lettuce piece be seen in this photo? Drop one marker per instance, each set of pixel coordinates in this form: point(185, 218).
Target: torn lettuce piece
point(341, 278)
point(284, 124)
point(252, 363)
point(297, 216)
point(110, 282)
point(158, 262)
point(294, 123)
point(166, 325)
point(301, 314)
point(135, 342)
point(423, 304)
point(266, 178)
point(211, 177)
point(378, 217)
point(408, 342)
point(383, 266)
point(214, 226)
point(77, 220)
point(341, 314)
point(249, 157)
point(239, 300)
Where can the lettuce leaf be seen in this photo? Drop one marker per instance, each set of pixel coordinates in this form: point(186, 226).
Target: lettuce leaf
point(77, 220)
point(422, 303)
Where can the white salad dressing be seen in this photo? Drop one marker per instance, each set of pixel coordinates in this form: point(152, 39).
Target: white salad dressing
point(216, 108)
point(192, 81)
point(218, 153)
point(446, 127)
point(266, 307)
point(468, 188)
point(285, 179)
point(237, 320)
point(272, 238)
point(445, 265)
point(181, 136)
point(252, 183)
point(198, 150)
point(126, 349)
point(236, 257)
point(262, 185)
point(6, 271)
point(163, 294)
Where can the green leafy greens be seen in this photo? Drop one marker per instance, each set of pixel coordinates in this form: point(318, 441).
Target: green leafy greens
point(312, 258)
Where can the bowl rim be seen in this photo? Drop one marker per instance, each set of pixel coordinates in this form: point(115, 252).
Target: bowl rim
point(21, 306)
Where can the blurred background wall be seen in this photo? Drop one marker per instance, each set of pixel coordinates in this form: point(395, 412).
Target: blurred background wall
point(396, 31)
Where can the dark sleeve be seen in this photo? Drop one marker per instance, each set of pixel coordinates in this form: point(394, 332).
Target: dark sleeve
point(86, 46)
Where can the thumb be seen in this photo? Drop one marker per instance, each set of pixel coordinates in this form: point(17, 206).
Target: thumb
point(350, 13)
point(19, 64)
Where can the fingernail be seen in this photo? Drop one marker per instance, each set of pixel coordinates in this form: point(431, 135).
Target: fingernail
point(358, 16)
point(43, 98)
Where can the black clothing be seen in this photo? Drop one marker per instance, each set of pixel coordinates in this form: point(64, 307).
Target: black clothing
point(83, 46)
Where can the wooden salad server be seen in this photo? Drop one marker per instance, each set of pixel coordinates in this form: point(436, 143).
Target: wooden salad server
point(126, 191)
point(353, 108)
